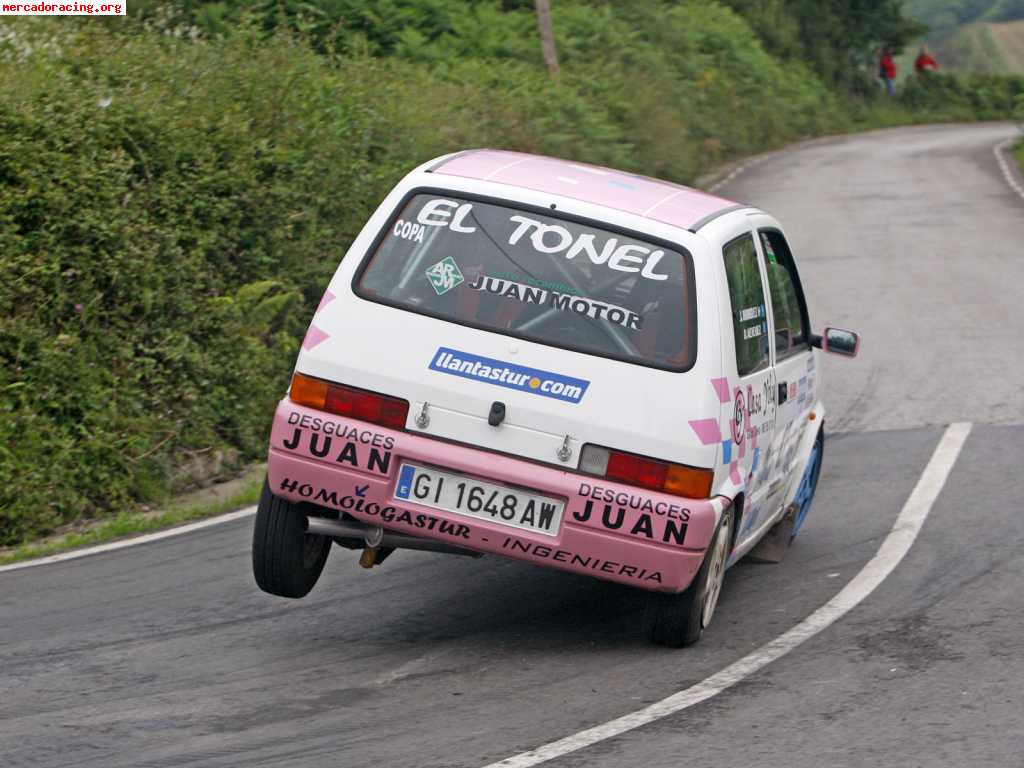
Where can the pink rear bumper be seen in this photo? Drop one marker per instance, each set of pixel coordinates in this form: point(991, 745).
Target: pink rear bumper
point(610, 531)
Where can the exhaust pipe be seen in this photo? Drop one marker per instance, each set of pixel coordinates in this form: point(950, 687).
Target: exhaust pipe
point(375, 536)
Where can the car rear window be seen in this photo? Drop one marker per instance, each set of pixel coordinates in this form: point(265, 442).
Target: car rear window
point(562, 282)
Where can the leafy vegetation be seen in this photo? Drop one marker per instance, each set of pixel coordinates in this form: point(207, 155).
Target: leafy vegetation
point(974, 35)
point(176, 191)
point(947, 14)
point(836, 37)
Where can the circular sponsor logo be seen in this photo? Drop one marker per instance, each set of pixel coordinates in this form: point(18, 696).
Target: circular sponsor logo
point(739, 417)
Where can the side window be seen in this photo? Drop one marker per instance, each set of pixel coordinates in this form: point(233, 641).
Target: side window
point(746, 293)
point(788, 307)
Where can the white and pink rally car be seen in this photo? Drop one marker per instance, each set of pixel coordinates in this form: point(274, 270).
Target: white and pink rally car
point(556, 363)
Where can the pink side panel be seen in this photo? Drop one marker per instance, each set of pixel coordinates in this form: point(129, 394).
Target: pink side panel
point(708, 431)
point(328, 297)
point(721, 387)
point(314, 336)
point(734, 473)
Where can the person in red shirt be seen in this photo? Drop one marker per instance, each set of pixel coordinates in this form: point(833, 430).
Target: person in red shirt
point(925, 62)
point(887, 70)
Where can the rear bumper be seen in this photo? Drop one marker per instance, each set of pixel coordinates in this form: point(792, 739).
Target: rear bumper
point(610, 531)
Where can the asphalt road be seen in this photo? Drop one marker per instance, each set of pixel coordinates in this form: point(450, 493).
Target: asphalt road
point(166, 654)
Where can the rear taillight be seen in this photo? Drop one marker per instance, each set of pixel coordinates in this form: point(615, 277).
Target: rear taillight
point(657, 475)
point(347, 401)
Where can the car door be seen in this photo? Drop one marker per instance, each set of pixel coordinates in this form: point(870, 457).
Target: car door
point(792, 360)
point(748, 388)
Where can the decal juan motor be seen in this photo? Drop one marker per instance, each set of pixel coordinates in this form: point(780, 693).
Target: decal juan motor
point(581, 305)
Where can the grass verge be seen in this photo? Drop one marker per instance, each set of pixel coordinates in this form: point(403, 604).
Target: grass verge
point(225, 497)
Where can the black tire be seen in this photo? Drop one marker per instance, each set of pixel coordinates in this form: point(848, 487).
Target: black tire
point(676, 620)
point(286, 560)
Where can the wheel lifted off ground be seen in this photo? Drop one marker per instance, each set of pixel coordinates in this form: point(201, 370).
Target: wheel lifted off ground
point(286, 560)
point(679, 619)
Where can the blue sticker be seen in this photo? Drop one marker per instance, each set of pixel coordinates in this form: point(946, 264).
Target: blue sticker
point(502, 374)
point(404, 486)
point(726, 451)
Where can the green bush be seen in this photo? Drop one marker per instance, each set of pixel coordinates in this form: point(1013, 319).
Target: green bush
point(169, 214)
point(171, 210)
point(962, 96)
point(175, 193)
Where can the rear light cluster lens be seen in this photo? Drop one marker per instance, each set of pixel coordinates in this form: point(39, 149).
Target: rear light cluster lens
point(657, 475)
point(359, 404)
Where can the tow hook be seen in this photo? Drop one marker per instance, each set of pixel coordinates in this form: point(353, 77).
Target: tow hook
point(369, 557)
point(373, 554)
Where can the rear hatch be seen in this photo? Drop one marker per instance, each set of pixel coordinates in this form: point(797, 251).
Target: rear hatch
point(583, 333)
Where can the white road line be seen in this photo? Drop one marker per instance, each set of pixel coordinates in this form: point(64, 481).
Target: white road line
point(893, 549)
point(134, 541)
point(1002, 155)
point(741, 168)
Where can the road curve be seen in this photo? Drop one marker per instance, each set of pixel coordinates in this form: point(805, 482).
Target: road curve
point(166, 654)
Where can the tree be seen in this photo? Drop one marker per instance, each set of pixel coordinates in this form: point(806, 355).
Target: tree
point(834, 37)
point(547, 36)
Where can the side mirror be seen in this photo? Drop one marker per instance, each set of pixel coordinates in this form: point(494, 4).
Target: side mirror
point(838, 342)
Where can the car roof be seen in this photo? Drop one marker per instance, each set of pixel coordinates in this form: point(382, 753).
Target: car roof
point(660, 201)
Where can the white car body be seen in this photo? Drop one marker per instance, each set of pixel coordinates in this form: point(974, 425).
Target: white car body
point(751, 435)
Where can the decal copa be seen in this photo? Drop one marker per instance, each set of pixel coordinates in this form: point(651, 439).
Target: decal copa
point(502, 374)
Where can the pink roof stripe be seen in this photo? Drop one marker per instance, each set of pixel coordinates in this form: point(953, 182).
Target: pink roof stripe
point(661, 201)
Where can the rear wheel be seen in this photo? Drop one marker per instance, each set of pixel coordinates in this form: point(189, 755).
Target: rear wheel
point(286, 560)
point(679, 620)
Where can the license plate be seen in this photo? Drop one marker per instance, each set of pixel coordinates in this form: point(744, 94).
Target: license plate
point(475, 498)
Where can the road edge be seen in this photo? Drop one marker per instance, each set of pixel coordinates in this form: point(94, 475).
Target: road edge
point(1012, 171)
point(890, 554)
point(131, 541)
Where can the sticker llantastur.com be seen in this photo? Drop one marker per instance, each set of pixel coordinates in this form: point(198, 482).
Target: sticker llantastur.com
point(510, 375)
